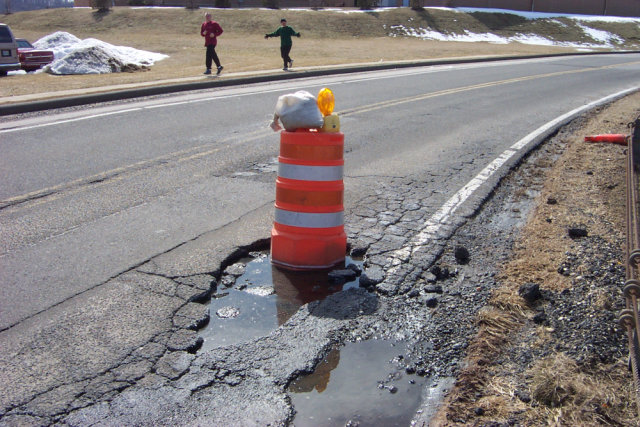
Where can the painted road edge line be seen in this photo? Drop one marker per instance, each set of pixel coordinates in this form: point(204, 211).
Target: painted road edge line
point(443, 216)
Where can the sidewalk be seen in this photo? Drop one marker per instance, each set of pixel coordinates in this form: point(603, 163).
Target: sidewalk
point(68, 98)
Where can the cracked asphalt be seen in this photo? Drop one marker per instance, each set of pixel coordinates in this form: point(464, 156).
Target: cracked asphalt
point(126, 352)
point(150, 373)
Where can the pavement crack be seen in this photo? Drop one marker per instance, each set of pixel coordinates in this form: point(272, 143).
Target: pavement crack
point(257, 245)
point(69, 187)
point(17, 201)
point(373, 176)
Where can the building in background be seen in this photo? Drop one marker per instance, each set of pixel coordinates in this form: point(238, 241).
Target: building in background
point(630, 8)
point(12, 6)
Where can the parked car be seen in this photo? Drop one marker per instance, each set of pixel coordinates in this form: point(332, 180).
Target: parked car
point(8, 51)
point(31, 58)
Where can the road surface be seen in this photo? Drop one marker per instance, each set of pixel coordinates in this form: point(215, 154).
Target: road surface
point(114, 216)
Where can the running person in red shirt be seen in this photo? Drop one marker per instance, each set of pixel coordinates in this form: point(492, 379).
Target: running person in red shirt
point(210, 30)
point(284, 32)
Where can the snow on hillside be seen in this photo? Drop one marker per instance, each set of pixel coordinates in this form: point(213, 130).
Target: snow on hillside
point(602, 39)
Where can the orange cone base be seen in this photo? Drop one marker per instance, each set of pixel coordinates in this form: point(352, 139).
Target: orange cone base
point(616, 138)
point(296, 248)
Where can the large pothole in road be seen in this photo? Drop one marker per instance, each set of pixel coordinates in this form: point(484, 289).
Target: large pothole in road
point(367, 382)
point(254, 297)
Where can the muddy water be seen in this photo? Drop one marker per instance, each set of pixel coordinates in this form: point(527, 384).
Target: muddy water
point(262, 298)
point(363, 383)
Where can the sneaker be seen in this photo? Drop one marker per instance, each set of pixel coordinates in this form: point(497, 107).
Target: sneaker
point(285, 69)
point(290, 63)
point(219, 70)
point(208, 71)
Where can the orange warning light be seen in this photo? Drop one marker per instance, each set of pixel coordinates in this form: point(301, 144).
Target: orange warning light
point(326, 101)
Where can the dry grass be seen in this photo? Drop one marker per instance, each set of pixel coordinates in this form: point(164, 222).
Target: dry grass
point(328, 38)
point(570, 396)
point(588, 185)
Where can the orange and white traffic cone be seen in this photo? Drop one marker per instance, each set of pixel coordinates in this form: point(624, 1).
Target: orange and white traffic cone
point(308, 231)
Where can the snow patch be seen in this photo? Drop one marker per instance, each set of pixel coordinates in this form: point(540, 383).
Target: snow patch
point(92, 56)
point(603, 39)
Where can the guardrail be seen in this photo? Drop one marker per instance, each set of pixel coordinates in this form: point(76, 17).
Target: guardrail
point(629, 318)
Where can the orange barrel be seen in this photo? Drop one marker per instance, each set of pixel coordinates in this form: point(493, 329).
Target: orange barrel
point(308, 231)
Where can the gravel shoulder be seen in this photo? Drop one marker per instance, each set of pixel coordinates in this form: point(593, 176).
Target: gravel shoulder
point(557, 356)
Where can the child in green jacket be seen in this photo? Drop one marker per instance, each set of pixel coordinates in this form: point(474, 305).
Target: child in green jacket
point(284, 32)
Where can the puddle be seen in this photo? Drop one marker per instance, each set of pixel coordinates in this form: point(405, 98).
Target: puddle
point(359, 384)
point(253, 298)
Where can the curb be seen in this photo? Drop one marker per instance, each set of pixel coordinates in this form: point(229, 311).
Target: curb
point(73, 101)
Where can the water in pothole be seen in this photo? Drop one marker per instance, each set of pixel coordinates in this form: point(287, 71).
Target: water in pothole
point(362, 383)
point(253, 298)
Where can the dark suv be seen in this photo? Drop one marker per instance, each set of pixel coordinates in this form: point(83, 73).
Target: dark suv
point(8, 51)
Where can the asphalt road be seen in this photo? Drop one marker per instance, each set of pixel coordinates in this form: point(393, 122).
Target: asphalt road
point(95, 198)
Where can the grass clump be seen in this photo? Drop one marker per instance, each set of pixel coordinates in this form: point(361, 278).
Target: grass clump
point(572, 395)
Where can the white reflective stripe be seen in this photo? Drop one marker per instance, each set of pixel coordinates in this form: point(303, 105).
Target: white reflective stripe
point(309, 220)
point(310, 173)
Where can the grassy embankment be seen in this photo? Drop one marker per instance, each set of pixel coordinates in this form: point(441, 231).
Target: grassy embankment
point(328, 38)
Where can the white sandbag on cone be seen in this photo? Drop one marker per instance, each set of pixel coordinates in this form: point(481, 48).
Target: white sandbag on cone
point(297, 111)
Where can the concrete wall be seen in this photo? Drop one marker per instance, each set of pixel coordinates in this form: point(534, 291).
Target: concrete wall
point(583, 7)
point(623, 7)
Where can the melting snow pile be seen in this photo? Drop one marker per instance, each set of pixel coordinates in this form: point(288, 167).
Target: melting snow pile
point(92, 56)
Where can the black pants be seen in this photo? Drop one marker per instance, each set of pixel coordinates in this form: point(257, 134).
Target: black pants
point(284, 52)
point(212, 56)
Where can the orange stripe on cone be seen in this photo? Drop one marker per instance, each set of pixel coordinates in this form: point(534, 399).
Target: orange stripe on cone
point(303, 147)
point(297, 248)
point(309, 196)
point(308, 231)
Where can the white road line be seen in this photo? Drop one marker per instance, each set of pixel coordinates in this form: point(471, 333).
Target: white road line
point(280, 86)
point(148, 107)
point(444, 215)
point(77, 119)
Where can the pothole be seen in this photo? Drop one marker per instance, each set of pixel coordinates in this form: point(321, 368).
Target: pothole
point(253, 297)
point(363, 383)
point(260, 168)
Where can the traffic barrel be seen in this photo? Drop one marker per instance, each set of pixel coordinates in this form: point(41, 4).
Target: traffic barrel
point(308, 230)
point(616, 138)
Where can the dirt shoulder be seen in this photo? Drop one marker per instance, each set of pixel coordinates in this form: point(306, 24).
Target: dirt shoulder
point(558, 357)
